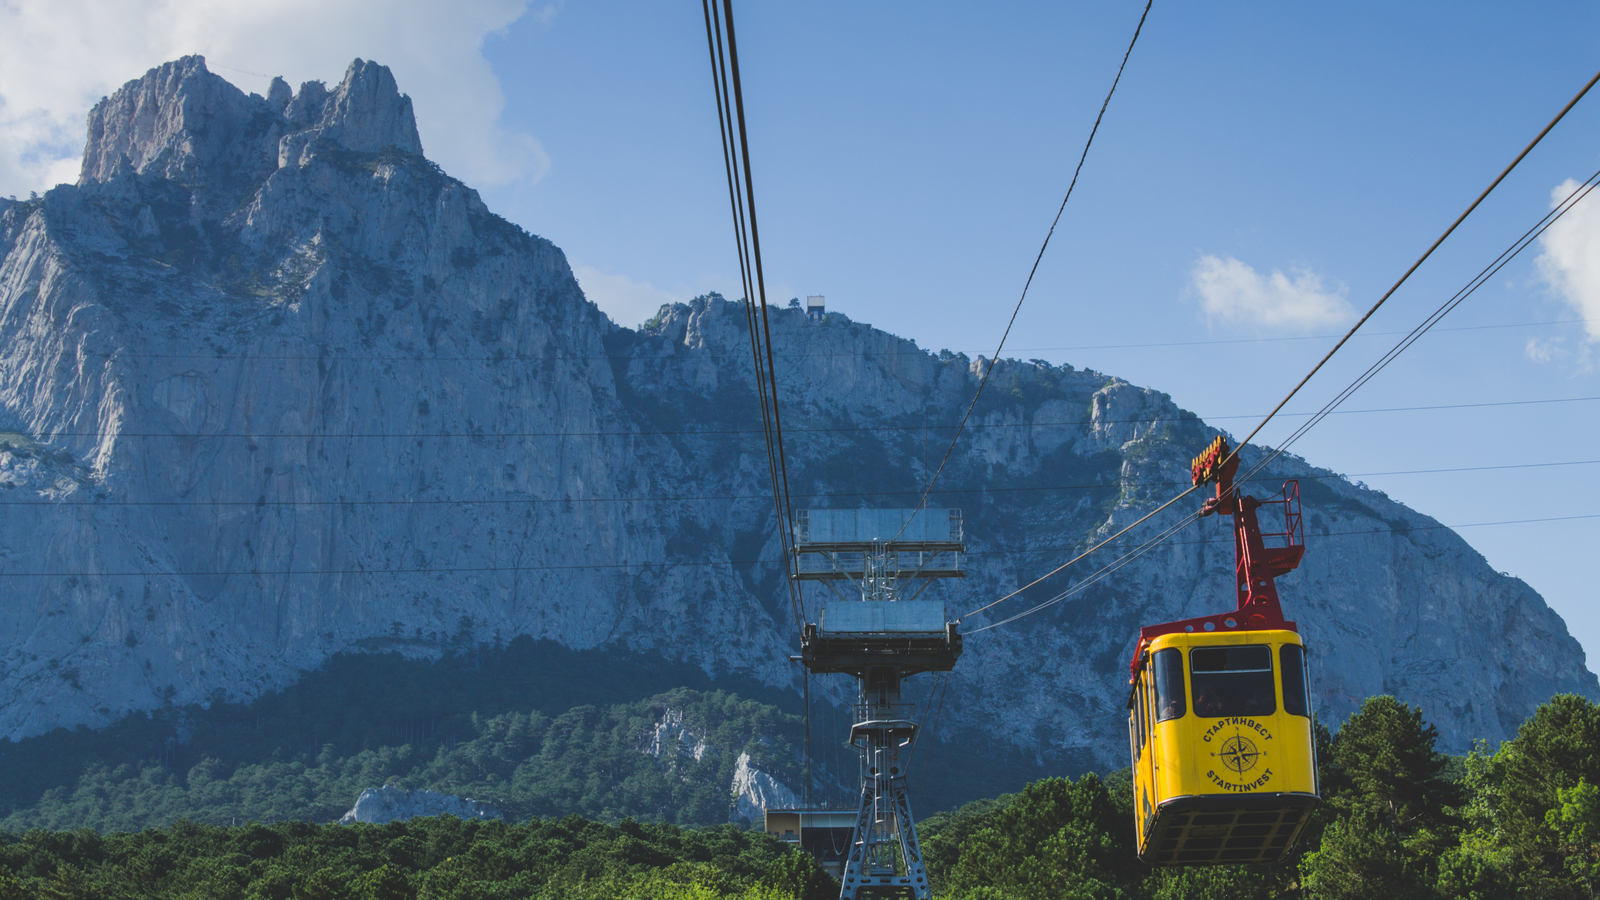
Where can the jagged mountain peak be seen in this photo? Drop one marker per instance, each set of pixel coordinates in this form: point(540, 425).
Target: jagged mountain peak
point(282, 389)
point(180, 121)
point(176, 119)
point(366, 113)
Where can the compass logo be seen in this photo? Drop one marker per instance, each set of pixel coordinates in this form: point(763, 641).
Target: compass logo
point(1239, 754)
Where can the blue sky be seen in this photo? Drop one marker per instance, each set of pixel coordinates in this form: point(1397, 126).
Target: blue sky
point(908, 159)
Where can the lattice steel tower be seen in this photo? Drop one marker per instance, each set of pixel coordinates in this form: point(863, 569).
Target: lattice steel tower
point(880, 639)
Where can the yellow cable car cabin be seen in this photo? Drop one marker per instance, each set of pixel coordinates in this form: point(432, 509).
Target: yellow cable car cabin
point(1219, 716)
point(1223, 759)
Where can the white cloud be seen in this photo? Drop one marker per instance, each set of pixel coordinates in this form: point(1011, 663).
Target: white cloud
point(1542, 351)
point(1232, 291)
point(1571, 258)
point(58, 57)
point(626, 301)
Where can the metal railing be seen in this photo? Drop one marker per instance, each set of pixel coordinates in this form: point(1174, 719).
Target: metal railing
point(853, 564)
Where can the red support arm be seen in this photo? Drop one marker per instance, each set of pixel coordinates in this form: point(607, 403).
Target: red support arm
point(1256, 565)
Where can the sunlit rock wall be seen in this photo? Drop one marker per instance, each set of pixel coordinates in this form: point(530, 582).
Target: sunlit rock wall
point(272, 386)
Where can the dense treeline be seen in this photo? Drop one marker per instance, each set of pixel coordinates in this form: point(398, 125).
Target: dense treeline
point(423, 859)
point(590, 760)
point(371, 701)
point(534, 727)
point(1398, 820)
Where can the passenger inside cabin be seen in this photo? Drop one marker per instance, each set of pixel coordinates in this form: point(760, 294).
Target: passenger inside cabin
point(1233, 681)
point(1262, 701)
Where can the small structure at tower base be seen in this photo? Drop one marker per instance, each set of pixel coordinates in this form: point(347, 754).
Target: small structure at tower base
point(822, 832)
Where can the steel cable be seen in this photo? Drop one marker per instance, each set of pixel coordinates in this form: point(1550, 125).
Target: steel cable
point(458, 570)
point(1098, 575)
point(1234, 453)
point(263, 503)
point(712, 432)
point(1483, 276)
point(761, 285)
point(1414, 266)
point(1505, 257)
point(982, 382)
point(722, 47)
point(697, 357)
point(1106, 571)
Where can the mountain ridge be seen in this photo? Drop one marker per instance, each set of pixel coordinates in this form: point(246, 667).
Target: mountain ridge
point(277, 387)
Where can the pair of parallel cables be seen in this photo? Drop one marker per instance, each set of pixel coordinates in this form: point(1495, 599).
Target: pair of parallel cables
point(723, 49)
point(479, 436)
point(724, 52)
point(1511, 252)
point(731, 119)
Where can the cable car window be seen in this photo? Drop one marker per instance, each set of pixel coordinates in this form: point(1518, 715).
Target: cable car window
point(1144, 706)
point(1149, 709)
point(1233, 681)
point(1170, 700)
point(1138, 713)
point(1293, 658)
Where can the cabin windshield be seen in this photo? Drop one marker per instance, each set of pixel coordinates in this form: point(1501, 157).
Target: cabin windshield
point(1233, 681)
point(1294, 679)
point(1169, 684)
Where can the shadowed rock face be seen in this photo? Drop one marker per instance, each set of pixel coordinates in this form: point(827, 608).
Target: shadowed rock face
point(273, 386)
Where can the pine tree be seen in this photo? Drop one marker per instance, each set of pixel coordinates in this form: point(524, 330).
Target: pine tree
point(1386, 751)
point(1362, 857)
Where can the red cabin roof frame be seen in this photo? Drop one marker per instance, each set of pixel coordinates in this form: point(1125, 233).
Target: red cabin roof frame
point(1256, 565)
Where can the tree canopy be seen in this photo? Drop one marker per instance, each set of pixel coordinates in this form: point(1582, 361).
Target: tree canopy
point(1399, 819)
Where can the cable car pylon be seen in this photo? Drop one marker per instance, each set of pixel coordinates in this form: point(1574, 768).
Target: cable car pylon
point(1219, 717)
point(880, 639)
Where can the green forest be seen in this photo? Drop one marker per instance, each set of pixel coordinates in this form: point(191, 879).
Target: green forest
point(548, 859)
point(532, 727)
point(588, 759)
point(1399, 819)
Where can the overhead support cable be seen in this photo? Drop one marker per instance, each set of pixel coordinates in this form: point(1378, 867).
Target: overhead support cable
point(940, 687)
point(1097, 576)
point(1182, 417)
point(1506, 256)
point(1059, 569)
point(723, 49)
point(1165, 539)
point(761, 284)
point(1495, 266)
point(467, 570)
point(1414, 266)
point(731, 122)
point(984, 380)
point(699, 357)
point(708, 498)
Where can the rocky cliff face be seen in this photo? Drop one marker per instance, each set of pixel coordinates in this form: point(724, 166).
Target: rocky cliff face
point(273, 386)
point(392, 804)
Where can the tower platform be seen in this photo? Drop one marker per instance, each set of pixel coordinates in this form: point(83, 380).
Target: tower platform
point(852, 635)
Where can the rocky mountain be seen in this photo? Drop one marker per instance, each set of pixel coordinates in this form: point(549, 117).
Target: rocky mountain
point(273, 386)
